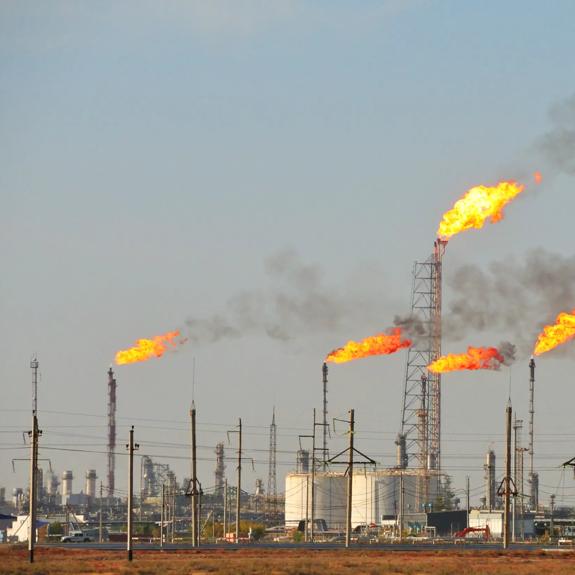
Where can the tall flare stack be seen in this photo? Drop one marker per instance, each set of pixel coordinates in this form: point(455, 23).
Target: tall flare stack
point(111, 432)
point(533, 477)
point(325, 426)
point(423, 446)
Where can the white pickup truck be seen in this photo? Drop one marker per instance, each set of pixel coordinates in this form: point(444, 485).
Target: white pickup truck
point(76, 537)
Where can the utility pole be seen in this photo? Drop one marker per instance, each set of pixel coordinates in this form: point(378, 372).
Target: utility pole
point(225, 526)
point(308, 532)
point(239, 470)
point(401, 505)
point(131, 448)
point(34, 435)
point(100, 530)
point(239, 494)
point(467, 496)
point(306, 527)
point(195, 538)
point(551, 525)
point(311, 534)
point(162, 515)
point(350, 479)
point(507, 479)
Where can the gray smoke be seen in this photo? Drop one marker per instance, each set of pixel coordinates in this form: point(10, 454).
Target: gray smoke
point(508, 351)
point(558, 144)
point(296, 302)
point(412, 326)
point(515, 297)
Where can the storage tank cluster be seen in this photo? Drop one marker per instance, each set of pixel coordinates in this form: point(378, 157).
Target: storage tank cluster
point(375, 496)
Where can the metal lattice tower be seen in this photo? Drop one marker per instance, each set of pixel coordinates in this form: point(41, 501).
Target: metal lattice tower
point(533, 477)
point(111, 432)
point(421, 411)
point(272, 467)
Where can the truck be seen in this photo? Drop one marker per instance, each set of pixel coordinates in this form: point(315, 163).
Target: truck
point(76, 537)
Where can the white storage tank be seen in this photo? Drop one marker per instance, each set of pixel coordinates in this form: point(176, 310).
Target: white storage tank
point(330, 498)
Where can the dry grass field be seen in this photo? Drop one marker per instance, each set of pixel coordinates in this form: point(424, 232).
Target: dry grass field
point(13, 561)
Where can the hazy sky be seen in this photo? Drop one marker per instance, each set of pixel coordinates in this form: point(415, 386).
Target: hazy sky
point(279, 165)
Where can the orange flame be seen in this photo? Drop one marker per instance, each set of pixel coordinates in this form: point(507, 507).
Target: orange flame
point(553, 335)
point(475, 358)
point(537, 177)
point(148, 348)
point(380, 344)
point(478, 204)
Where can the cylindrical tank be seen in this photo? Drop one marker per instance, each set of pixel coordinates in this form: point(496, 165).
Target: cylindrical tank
point(303, 461)
point(298, 492)
point(331, 499)
point(91, 483)
point(67, 477)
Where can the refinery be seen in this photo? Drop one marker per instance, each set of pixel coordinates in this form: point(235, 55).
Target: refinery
point(329, 495)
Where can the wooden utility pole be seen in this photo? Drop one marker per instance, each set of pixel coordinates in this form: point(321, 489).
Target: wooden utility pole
point(100, 527)
point(131, 448)
point(162, 515)
point(239, 493)
point(225, 525)
point(195, 535)
point(349, 479)
point(312, 526)
point(401, 505)
point(34, 435)
point(467, 496)
point(507, 480)
point(33, 486)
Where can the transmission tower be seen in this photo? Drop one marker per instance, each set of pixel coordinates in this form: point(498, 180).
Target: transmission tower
point(111, 432)
point(272, 468)
point(421, 411)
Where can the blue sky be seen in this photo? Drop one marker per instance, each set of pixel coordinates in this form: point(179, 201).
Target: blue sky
point(155, 154)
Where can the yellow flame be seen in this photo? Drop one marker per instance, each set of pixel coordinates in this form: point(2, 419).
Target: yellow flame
point(476, 206)
point(553, 335)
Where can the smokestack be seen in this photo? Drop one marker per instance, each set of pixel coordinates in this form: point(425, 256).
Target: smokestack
point(91, 483)
point(111, 432)
point(220, 470)
point(534, 482)
point(302, 461)
point(67, 477)
point(325, 427)
point(402, 459)
point(490, 487)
